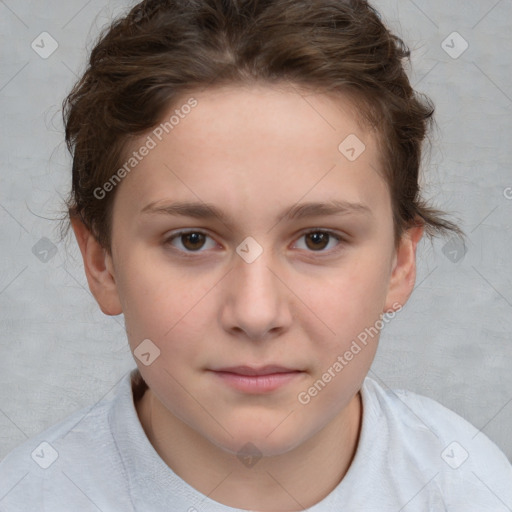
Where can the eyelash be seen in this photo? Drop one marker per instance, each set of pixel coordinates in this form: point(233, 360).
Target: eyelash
point(191, 254)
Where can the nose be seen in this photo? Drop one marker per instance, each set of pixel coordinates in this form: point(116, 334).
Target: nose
point(256, 304)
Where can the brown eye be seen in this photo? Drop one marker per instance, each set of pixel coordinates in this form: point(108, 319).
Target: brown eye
point(320, 241)
point(190, 241)
point(193, 241)
point(317, 240)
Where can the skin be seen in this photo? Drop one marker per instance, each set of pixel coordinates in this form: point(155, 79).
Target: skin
point(300, 304)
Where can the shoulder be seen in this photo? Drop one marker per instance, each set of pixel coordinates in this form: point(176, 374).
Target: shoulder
point(424, 436)
point(65, 463)
point(413, 417)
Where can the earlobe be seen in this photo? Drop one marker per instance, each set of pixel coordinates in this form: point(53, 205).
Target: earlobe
point(403, 276)
point(98, 269)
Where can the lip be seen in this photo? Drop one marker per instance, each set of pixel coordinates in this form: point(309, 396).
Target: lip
point(254, 371)
point(256, 380)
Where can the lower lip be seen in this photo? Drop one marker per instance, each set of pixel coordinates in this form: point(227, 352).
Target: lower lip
point(257, 383)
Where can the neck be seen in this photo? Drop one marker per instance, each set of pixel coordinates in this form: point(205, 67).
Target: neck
point(294, 480)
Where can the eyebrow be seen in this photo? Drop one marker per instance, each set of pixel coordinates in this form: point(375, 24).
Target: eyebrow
point(198, 210)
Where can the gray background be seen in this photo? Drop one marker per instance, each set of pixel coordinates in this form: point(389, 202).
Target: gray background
point(452, 341)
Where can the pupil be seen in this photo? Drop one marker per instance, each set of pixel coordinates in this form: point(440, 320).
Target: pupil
point(196, 239)
point(322, 238)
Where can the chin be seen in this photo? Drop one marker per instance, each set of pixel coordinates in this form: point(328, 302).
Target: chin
point(259, 440)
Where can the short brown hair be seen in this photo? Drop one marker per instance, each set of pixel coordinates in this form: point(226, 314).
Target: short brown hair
point(163, 49)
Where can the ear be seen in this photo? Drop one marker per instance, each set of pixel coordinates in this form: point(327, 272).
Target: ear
point(403, 276)
point(99, 269)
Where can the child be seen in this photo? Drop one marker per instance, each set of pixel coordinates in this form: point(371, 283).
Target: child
point(245, 192)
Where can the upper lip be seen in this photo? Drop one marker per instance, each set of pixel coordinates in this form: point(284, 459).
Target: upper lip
point(252, 370)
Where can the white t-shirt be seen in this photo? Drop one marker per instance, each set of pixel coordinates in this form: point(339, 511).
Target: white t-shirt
point(413, 455)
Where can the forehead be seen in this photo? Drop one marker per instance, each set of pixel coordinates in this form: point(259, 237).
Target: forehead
point(276, 143)
point(271, 118)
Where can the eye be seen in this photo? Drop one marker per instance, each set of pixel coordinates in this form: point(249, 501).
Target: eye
point(317, 240)
point(190, 241)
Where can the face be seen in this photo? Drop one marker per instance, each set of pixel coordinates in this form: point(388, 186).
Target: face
point(246, 242)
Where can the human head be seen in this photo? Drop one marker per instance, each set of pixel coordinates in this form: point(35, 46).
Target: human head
point(257, 57)
point(163, 50)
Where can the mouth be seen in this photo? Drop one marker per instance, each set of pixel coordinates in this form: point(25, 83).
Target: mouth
point(256, 380)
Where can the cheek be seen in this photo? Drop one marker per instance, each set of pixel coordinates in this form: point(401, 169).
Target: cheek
point(353, 295)
point(348, 307)
point(169, 308)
